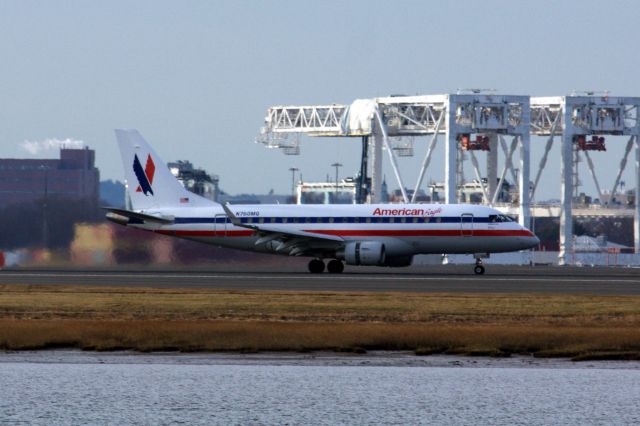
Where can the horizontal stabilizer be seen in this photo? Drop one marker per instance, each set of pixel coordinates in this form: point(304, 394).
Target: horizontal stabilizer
point(125, 216)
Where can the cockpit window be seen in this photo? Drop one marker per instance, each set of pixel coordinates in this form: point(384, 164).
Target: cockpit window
point(494, 218)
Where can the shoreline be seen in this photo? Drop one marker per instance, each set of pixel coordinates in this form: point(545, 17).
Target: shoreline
point(315, 359)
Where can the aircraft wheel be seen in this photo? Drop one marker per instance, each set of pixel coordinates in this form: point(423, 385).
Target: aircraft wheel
point(316, 266)
point(335, 266)
point(479, 269)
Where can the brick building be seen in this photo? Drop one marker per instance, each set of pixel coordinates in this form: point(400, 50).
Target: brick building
point(72, 176)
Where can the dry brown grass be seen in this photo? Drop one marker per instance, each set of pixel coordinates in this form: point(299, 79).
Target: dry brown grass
point(150, 335)
point(55, 302)
point(34, 317)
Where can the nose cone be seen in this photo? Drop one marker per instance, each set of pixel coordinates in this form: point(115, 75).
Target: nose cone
point(530, 241)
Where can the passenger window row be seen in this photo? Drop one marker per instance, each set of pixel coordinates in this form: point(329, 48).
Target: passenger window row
point(311, 220)
point(376, 220)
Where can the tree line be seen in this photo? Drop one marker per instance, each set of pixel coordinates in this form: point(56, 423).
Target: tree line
point(48, 224)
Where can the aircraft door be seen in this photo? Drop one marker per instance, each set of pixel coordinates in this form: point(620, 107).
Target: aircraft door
point(466, 225)
point(220, 225)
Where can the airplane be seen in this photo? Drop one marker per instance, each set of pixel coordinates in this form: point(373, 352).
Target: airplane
point(365, 234)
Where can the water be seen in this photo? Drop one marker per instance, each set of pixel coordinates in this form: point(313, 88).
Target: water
point(66, 387)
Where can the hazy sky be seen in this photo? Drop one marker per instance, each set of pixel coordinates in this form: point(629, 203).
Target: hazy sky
point(197, 77)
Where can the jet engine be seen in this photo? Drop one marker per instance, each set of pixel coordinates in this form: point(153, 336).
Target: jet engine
point(364, 253)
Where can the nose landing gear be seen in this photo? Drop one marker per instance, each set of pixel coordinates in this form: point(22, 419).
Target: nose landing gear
point(479, 269)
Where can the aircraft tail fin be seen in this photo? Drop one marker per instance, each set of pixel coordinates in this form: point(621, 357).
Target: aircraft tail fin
point(149, 181)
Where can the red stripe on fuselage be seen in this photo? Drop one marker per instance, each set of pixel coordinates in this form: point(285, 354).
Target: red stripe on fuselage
point(424, 232)
point(366, 233)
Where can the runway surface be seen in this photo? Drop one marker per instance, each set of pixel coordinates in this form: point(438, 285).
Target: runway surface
point(452, 278)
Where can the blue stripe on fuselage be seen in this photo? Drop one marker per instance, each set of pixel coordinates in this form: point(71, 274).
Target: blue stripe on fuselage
point(340, 219)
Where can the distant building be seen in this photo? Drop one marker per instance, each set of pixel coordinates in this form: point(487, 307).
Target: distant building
point(396, 196)
point(196, 180)
point(587, 244)
point(471, 192)
point(270, 198)
point(72, 176)
point(623, 199)
point(384, 196)
point(326, 192)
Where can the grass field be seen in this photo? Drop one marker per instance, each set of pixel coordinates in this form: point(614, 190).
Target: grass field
point(582, 327)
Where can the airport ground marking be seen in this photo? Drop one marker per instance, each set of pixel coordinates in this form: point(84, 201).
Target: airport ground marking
point(346, 277)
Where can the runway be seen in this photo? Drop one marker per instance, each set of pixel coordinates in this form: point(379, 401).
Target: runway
point(435, 279)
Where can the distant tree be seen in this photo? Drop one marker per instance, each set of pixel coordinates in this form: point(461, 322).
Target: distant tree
point(579, 228)
point(616, 229)
point(547, 229)
point(20, 225)
point(33, 225)
point(112, 193)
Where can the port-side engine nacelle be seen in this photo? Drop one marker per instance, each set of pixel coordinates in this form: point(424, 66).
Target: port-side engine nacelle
point(365, 253)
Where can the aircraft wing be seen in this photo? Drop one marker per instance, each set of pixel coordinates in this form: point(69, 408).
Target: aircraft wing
point(271, 229)
point(295, 241)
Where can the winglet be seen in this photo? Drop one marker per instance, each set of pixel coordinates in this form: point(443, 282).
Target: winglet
point(233, 217)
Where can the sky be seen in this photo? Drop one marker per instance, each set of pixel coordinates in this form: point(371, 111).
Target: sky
point(196, 77)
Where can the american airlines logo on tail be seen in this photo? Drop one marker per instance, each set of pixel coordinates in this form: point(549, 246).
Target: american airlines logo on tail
point(145, 177)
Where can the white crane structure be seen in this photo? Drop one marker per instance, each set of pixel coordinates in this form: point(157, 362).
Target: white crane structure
point(582, 122)
point(472, 122)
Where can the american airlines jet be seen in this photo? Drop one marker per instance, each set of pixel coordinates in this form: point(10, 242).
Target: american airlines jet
point(370, 234)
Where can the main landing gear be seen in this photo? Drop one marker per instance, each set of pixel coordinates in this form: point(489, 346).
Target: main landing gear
point(335, 266)
point(316, 266)
point(479, 269)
